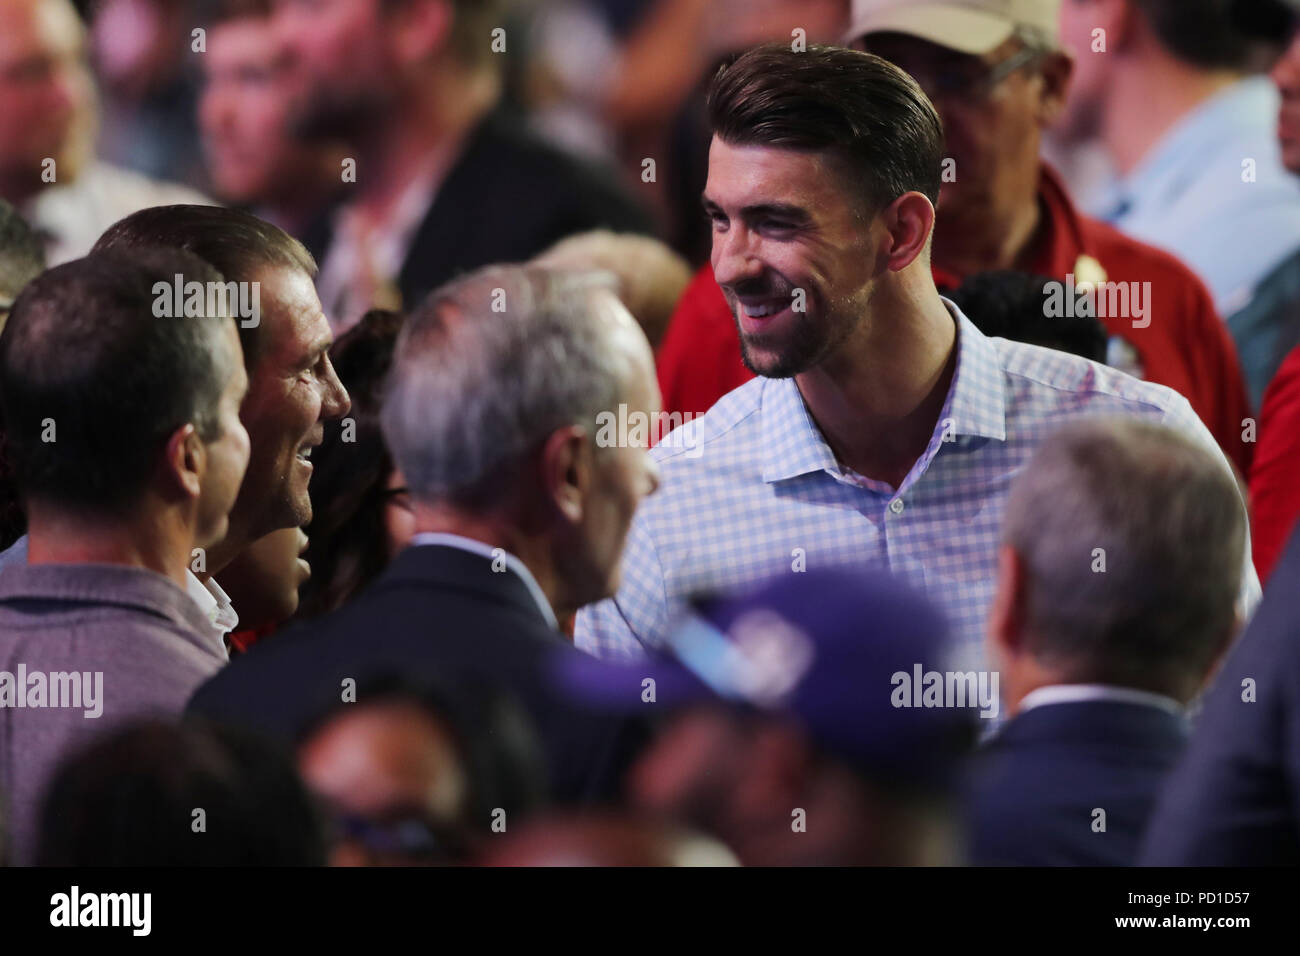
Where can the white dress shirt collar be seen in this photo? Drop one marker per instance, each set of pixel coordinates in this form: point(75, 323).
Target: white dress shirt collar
point(1076, 693)
point(215, 605)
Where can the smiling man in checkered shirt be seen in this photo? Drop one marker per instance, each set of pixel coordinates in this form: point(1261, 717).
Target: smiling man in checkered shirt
point(884, 429)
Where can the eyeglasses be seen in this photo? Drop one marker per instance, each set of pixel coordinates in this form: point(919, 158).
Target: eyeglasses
point(971, 83)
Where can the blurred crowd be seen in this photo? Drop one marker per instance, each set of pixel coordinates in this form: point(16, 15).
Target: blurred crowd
point(649, 432)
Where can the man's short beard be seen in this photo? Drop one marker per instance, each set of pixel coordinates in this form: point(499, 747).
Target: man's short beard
point(803, 352)
point(328, 116)
point(808, 347)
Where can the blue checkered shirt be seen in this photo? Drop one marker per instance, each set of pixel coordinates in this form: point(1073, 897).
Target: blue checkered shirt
point(751, 489)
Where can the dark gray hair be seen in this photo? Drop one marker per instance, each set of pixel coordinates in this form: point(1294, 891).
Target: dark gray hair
point(489, 366)
point(85, 352)
point(1166, 517)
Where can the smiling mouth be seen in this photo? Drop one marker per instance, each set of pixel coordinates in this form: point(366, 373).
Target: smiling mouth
point(765, 309)
point(304, 454)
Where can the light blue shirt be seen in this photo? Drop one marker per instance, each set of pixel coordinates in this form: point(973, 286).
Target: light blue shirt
point(1213, 191)
point(751, 489)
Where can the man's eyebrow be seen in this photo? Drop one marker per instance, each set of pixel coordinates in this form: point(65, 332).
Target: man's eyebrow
point(777, 210)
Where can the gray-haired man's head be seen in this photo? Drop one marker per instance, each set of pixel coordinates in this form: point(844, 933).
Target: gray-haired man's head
point(1124, 544)
point(499, 381)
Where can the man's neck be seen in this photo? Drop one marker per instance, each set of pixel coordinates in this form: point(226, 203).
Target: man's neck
point(430, 128)
point(878, 400)
point(992, 242)
point(154, 545)
point(1147, 98)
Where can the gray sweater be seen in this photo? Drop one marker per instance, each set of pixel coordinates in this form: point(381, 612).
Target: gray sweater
point(84, 647)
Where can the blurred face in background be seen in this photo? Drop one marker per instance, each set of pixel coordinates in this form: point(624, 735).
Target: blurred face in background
point(1080, 117)
point(243, 113)
point(392, 775)
point(340, 65)
point(1286, 74)
point(994, 108)
point(46, 94)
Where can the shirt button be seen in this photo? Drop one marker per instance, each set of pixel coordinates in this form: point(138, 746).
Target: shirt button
point(896, 506)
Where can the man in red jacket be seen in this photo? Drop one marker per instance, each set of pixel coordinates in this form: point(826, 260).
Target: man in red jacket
point(997, 83)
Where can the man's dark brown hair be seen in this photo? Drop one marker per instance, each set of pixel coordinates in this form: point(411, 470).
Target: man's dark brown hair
point(237, 244)
point(854, 106)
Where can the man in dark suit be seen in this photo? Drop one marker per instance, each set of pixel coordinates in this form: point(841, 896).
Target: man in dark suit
point(1115, 598)
point(1234, 799)
point(437, 181)
point(521, 508)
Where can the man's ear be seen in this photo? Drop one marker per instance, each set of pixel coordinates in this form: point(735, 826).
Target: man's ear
point(908, 220)
point(1055, 72)
point(186, 460)
point(421, 29)
point(566, 470)
point(1007, 611)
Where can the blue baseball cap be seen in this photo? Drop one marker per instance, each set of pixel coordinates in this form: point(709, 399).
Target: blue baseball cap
point(836, 652)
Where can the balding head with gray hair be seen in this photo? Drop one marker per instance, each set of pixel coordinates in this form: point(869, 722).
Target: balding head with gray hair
point(1130, 539)
point(489, 366)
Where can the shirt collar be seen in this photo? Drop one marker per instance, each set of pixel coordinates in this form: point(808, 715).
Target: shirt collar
point(111, 584)
point(975, 406)
point(215, 605)
point(492, 554)
point(1076, 693)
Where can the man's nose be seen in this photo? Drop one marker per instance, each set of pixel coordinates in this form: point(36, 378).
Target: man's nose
point(335, 402)
point(734, 260)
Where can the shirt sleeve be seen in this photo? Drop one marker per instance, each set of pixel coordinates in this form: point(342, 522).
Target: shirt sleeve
point(636, 617)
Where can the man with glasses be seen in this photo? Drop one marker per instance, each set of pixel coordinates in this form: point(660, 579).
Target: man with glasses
point(997, 78)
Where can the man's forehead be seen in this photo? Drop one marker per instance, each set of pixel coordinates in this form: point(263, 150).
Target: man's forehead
point(293, 320)
point(766, 174)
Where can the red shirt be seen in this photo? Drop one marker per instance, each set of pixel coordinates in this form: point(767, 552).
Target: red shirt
point(1274, 488)
point(1186, 346)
